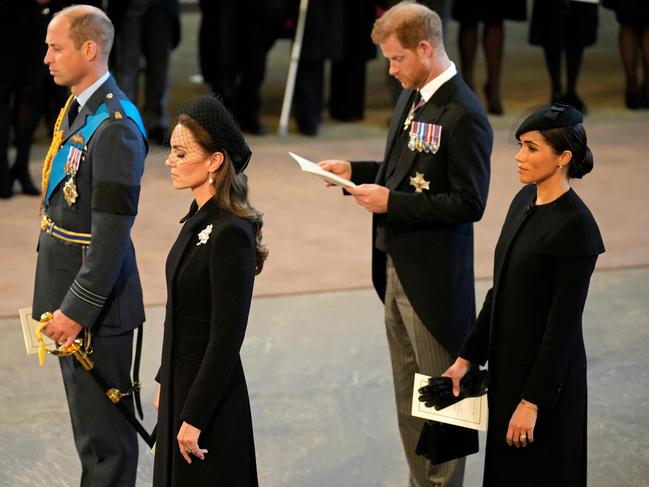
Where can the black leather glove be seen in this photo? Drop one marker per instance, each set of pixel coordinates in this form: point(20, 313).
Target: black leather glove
point(439, 391)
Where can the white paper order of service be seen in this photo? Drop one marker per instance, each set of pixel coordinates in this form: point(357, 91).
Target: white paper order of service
point(313, 168)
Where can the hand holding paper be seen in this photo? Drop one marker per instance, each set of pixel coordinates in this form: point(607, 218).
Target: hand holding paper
point(335, 174)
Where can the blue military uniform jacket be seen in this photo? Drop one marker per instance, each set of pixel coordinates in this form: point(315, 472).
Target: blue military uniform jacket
point(97, 285)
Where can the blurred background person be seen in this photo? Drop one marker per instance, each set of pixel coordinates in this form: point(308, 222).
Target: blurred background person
point(145, 33)
point(22, 31)
point(471, 13)
point(564, 27)
point(633, 17)
point(348, 70)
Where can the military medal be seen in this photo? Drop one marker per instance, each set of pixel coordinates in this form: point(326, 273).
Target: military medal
point(411, 113)
point(70, 192)
point(72, 163)
point(78, 139)
point(419, 183)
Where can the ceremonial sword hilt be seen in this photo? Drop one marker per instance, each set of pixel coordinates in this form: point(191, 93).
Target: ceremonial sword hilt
point(80, 348)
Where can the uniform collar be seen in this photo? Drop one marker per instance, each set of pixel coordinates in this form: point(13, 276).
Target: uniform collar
point(85, 95)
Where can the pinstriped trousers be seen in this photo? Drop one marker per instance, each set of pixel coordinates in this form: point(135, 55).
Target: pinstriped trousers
point(414, 349)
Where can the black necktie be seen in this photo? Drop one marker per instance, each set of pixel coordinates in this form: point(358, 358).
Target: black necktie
point(73, 111)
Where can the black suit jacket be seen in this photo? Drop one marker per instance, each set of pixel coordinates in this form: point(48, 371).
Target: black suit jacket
point(429, 235)
point(97, 286)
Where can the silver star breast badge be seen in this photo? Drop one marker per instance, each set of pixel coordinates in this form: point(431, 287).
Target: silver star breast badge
point(419, 182)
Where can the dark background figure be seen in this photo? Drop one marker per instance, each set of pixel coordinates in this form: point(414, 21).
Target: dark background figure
point(564, 27)
point(234, 39)
point(146, 30)
point(633, 17)
point(22, 31)
point(347, 78)
point(322, 40)
point(471, 13)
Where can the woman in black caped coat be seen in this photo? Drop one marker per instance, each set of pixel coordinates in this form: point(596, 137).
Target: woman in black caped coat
point(204, 431)
point(530, 326)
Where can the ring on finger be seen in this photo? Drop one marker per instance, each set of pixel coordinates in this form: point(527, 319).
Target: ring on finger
point(188, 450)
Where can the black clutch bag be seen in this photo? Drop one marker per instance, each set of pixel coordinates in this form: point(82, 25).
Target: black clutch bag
point(441, 442)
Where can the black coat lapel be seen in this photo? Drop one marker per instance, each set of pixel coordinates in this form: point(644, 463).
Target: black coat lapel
point(509, 231)
point(188, 234)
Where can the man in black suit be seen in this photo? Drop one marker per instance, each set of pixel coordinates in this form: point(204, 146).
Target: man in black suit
point(425, 194)
point(86, 273)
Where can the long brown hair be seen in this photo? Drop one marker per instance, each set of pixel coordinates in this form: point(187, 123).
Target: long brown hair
point(231, 188)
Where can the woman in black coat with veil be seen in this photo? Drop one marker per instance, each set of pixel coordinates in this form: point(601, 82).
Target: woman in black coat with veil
point(204, 431)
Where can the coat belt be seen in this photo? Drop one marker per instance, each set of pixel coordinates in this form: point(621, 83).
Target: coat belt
point(48, 226)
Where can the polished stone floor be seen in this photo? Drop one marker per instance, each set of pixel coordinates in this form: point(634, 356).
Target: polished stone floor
point(321, 393)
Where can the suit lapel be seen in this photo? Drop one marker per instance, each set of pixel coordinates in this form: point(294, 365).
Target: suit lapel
point(396, 128)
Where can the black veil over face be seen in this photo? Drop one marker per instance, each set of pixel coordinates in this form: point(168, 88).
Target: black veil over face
point(217, 121)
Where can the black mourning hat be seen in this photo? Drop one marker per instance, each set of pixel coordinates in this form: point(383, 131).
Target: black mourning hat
point(210, 113)
point(558, 115)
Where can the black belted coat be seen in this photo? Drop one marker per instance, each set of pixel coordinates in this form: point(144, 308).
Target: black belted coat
point(209, 289)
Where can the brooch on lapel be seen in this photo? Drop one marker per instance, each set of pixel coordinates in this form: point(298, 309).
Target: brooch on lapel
point(419, 182)
point(204, 235)
point(424, 137)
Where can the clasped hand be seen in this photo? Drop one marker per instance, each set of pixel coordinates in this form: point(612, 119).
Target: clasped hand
point(62, 329)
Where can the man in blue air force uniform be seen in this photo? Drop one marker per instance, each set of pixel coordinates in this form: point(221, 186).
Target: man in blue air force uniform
point(86, 271)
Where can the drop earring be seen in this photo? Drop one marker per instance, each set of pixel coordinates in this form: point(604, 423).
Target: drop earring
point(211, 179)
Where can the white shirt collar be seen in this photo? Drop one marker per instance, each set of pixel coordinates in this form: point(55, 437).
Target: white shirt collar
point(85, 95)
point(429, 89)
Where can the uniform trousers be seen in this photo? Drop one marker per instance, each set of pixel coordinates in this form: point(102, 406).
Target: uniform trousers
point(105, 441)
point(414, 349)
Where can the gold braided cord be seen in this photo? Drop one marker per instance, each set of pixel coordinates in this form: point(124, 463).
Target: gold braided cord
point(57, 138)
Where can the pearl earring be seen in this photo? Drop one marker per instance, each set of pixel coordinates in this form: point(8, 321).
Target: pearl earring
point(211, 180)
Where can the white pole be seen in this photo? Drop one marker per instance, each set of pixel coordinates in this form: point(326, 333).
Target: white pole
point(292, 69)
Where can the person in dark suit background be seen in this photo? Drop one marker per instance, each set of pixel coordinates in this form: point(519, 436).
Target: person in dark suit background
point(234, 39)
point(204, 431)
point(22, 26)
point(424, 196)
point(86, 273)
point(348, 69)
point(530, 325)
point(149, 30)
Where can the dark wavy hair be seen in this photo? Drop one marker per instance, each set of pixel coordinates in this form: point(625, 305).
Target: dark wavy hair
point(573, 139)
point(231, 188)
